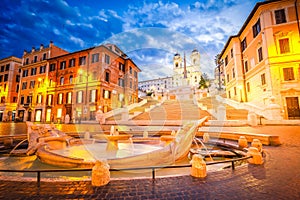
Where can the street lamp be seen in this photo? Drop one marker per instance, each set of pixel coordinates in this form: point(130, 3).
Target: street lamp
point(207, 84)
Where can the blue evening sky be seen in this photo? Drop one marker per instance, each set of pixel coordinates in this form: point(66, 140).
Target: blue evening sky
point(150, 32)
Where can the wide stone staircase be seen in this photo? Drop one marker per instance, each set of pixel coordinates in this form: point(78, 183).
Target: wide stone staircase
point(174, 110)
point(231, 112)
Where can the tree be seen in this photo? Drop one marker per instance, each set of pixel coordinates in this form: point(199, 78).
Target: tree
point(202, 83)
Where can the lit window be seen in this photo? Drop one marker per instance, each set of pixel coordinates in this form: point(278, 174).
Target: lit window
point(62, 79)
point(60, 98)
point(39, 98)
point(71, 79)
point(69, 98)
point(284, 45)
point(79, 96)
point(93, 96)
point(288, 74)
point(49, 99)
point(63, 65)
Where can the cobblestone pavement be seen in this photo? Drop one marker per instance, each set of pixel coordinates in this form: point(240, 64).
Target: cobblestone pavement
point(277, 178)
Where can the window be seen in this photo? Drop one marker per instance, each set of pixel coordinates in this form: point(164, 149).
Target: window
point(44, 56)
point(32, 83)
point(107, 76)
point(284, 45)
point(62, 80)
point(130, 84)
point(72, 62)
point(244, 44)
point(3, 99)
point(22, 100)
point(248, 87)
point(288, 74)
point(79, 97)
point(60, 98)
point(27, 61)
point(263, 79)
point(107, 59)
point(15, 99)
point(234, 90)
point(24, 85)
point(260, 54)
point(135, 74)
point(52, 67)
point(39, 98)
point(7, 67)
point(29, 99)
point(95, 57)
point(82, 60)
point(17, 88)
point(106, 94)
point(93, 95)
point(122, 67)
point(49, 99)
point(50, 83)
point(256, 28)
point(33, 71)
point(280, 16)
point(246, 66)
point(71, 79)
point(69, 97)
point(121, 82)
point(226, 60)
point(1, 78)
point(231, 53)
point(63, 65)
point(227, 78)
point(35, 59)
point(2, 68)
point(229, 95)
point(5, 77)
point(233, 73)
point(25, 73)
point(42, 69)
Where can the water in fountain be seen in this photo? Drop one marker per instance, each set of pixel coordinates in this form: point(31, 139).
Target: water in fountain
point(197, 139)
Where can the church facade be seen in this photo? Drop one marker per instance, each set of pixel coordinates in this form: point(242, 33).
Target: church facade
point(186, 73)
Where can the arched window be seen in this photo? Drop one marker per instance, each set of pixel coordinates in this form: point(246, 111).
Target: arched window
point(71, 79)
point(62, 80)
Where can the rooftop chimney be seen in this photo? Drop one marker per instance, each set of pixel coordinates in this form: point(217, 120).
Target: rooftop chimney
point(33, 49)
point(41, 47)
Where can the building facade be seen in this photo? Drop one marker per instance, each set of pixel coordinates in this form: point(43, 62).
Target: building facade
point(83, 82)
point(263, 59)
point(33, 83)
point(9, 87)
point(186, 74)
point(55, 84)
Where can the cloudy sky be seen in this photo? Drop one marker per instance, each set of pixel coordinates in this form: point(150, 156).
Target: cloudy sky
point(148, 31)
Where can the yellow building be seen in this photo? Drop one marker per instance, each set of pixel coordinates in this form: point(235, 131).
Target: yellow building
point(9, 86)
point(263, 59)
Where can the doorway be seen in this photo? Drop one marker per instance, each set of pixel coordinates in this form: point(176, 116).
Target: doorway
point(293, 109)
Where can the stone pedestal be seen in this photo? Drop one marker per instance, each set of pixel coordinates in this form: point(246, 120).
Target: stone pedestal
point(256, 156)
point(198, 168)
point(256, 143)
point(252, 119)
point(100, 173)
point(113, 140)
point(243, 143)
